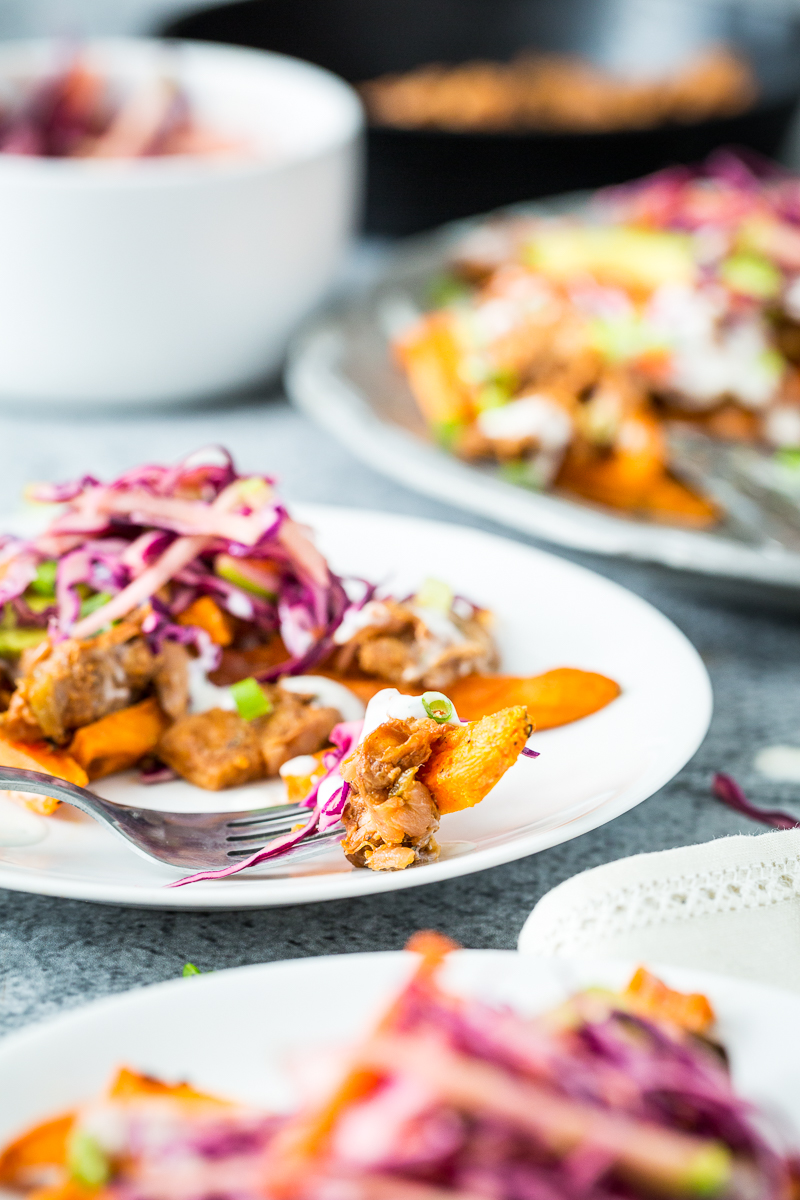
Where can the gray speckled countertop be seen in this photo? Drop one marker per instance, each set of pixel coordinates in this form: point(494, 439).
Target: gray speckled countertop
point(56, 953)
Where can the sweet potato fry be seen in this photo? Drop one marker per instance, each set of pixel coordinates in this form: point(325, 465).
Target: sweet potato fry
point(206, 614)
point(119, 740)
point(430, 356)
point(129, 1084)
point(552, 699)
point(36, 1150)
point(70, 1189)
point(672, 501)
point(40, 756)
point(468, 760)
point(648, 995)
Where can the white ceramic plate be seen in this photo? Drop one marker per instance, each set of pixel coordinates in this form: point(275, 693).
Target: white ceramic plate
point(342, 374)
point(550, 613)
point(236, 1032)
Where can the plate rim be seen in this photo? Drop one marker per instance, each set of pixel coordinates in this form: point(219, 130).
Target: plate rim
point(268, 893)
point(20, 1042)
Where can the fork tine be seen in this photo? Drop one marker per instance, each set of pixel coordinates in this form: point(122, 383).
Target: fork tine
point(260, 835)
point(316, 839)
point(266, 816)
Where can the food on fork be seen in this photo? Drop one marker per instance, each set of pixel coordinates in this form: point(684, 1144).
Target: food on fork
point(567, 349)
point(610, 1095)
point(415, 760)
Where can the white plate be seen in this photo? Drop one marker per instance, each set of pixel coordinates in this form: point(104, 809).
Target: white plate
point(262, 1017)
point(550, 613)
point(341, 373)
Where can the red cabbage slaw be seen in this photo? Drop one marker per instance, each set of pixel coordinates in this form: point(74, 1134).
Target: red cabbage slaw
point(595, 1100)
point(77, 112)
point(159, 525)
point(327, 802)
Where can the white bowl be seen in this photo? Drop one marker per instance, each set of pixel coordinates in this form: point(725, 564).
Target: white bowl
point(175, 278)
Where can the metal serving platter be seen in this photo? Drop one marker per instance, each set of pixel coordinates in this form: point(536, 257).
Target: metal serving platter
point(341, 374)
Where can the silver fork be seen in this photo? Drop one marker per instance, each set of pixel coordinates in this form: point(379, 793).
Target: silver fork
point(193, 841)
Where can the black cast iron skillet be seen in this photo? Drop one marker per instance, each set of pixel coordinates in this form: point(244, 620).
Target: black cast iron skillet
point(418, 179)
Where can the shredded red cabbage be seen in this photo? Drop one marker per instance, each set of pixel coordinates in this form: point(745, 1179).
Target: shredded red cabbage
point(729, 792)
point(159, 525)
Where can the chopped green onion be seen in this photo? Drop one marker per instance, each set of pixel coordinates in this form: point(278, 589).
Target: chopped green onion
point(751, 275)
point(92, 603)
point(523, 473)
point(436, 595)
point(44, 582)
point(448, 432)
point(87, 1161)
point(438, 707)
point(225, 568)
point(39, 604)
point(492, 395)
point(251, 699)
point(788, 456)
point(190, 969)
point(447, 289)
point(14, 641)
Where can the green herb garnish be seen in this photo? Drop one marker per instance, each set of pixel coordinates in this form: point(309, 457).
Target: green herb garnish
point(92, 603)
point(190, 969)
point(251, 699)
point(44, 582)
point(87, 1161)
point(447, 289)
point(436, 595)
point(14, 641)
point(438, 707)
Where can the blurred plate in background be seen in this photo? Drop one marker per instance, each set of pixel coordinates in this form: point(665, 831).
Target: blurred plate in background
point(342, 375)
point(418, 178)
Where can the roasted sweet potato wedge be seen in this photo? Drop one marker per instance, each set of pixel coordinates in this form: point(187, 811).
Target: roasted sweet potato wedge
point(206, 614)
point(40, 1148)
point(552, 699)
point(40, 756)
point(648, 995)
point(129, 1084)
point(468, 760)
point(119, 740)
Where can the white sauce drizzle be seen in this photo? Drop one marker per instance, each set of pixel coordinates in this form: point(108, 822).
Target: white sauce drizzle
point(533, 416)
point(390, 704)
point(19, 826)
point(300, 766)
point(781, 763)
point(354, 620)
point(203, 694)
point(327, 693)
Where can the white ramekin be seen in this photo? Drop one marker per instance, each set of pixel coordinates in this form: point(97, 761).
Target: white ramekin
point(167, 279)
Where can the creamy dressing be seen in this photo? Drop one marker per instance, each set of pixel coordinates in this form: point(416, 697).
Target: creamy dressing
point(18, 825)
point(532, 416)
point(326, 693)
point(374, 612)
point(301, 766)
point(781, 763)
point(203, 694)
point(391, 704)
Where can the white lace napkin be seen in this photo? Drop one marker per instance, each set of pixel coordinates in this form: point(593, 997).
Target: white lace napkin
point(731, 905)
